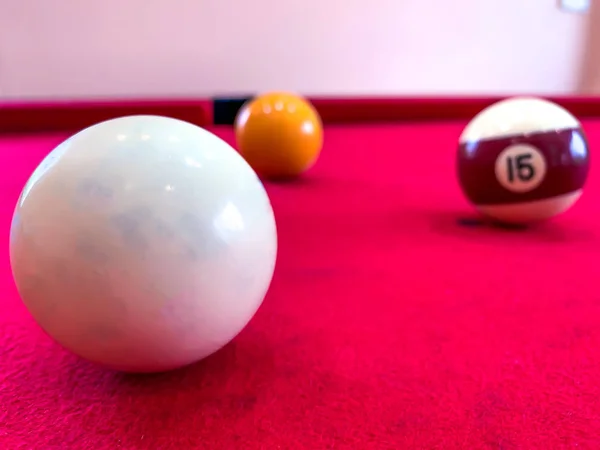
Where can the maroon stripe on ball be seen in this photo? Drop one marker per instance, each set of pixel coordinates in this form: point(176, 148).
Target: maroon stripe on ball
point(567, 164)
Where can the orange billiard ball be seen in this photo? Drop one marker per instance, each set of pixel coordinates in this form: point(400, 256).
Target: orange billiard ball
point(279, 134)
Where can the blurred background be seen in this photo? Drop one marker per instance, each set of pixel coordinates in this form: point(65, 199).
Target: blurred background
point(160, 48)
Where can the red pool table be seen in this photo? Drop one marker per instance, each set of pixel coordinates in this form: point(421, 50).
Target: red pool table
point(396, 319)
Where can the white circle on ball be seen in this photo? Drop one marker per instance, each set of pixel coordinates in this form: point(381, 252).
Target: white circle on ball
point(520, 168)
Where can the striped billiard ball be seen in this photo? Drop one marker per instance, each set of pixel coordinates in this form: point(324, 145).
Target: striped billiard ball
point(523, 160)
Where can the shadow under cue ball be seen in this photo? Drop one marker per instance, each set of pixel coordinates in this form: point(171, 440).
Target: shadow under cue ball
point(143, 243)
point(279, 134)
point(523, 160)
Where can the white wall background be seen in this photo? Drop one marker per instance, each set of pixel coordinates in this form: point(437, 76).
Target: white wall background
point(77, 48)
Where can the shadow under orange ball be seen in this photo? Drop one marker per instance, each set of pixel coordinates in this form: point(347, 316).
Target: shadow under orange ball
point(279, 134)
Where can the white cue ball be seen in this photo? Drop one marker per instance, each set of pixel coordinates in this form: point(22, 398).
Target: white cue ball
point(143, 243)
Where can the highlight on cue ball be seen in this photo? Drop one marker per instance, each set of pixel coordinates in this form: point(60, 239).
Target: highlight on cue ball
point(523, 160)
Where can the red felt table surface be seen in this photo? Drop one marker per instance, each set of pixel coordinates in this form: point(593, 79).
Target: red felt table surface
point(391, 323)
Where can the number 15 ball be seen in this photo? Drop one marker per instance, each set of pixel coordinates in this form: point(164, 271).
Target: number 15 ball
point(523, 160)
